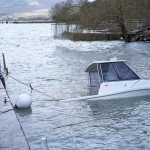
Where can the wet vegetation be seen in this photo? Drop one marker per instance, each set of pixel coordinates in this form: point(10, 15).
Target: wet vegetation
point(107, 16)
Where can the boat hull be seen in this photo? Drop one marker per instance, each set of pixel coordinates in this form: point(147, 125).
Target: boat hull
point(127, 94)
point(121, 95)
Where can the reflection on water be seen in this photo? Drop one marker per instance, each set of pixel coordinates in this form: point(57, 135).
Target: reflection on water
point(24, 112)
point(56, 67)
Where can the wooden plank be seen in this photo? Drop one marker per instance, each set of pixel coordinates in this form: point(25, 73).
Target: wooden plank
point(11, 133)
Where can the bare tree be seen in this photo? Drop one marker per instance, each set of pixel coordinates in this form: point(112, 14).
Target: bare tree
point(118, 17)
point(111, 14)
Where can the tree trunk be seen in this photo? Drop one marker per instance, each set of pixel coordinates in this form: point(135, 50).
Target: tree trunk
point(124, 33)
point(118, 17)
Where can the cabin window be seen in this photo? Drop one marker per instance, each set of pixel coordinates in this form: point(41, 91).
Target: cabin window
point(108, 72)
point(94, 79)
point(124, 72)
point(117, 71)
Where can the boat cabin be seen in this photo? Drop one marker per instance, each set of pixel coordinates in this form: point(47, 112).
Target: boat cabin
point(108, 71)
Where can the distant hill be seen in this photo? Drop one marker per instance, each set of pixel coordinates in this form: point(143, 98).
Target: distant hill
point(25, 8)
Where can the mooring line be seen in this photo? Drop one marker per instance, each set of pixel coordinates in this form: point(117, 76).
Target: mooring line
point(2, 112)
point(72, 124)
point(29, 85)
point(36, 90)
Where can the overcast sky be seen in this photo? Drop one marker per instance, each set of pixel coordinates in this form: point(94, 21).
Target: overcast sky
point(26, 7)
point(10, 7)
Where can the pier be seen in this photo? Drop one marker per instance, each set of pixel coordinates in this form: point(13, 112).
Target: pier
point(12, 136)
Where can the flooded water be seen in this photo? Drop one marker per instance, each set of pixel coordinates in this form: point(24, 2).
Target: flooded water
point(56, 68)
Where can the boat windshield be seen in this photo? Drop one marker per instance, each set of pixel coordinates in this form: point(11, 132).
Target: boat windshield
point(117, 71)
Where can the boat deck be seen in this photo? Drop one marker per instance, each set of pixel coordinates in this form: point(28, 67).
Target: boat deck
point(11, 133)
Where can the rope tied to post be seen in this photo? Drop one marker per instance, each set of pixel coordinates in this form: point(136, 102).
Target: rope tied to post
point(30, 86)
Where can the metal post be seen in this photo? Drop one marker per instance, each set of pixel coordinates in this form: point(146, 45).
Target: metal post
point(44, 143)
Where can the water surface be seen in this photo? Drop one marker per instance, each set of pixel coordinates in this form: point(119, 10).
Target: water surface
point(56, 67)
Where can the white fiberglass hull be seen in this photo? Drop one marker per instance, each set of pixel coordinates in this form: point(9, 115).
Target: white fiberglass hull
point(122, 90)
point(123, 95)
point(127, 94)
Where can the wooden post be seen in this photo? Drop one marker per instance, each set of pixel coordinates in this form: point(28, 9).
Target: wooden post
point(6, 71)
point(4, 62)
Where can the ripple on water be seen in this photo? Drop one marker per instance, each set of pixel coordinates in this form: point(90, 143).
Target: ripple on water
point(56, 67)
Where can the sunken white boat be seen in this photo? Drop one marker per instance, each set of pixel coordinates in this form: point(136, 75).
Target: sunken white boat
point(115, 80)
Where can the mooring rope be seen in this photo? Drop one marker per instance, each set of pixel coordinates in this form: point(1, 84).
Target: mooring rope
point(72, 124)
point(2, 112)
point(29, 85)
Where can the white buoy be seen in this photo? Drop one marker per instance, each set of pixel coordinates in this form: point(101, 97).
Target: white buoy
point(44, 143)
point(23, 101)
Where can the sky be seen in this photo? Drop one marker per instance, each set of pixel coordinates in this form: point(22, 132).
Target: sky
point(25, 7)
